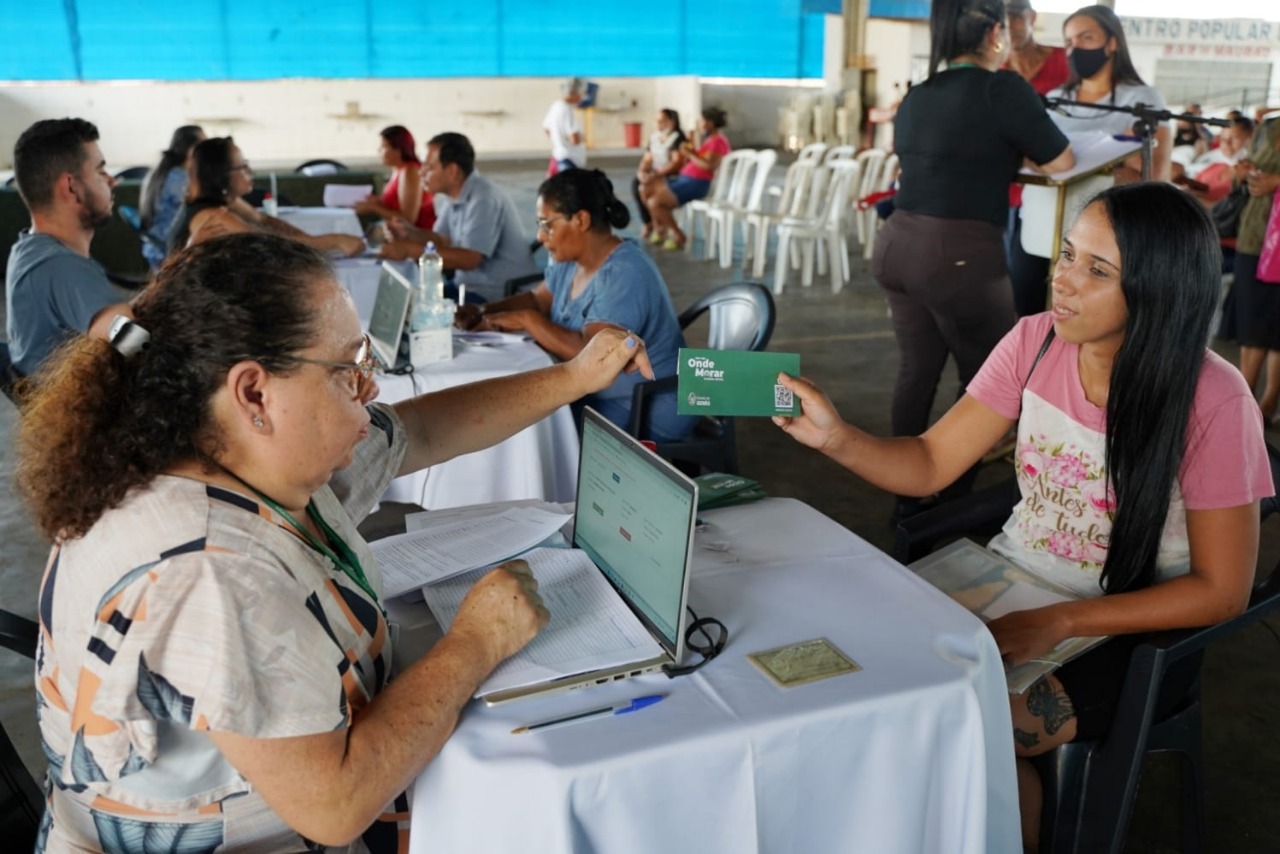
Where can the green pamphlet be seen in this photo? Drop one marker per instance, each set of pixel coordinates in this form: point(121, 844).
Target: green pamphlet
point(735, 382)
point(725, 490)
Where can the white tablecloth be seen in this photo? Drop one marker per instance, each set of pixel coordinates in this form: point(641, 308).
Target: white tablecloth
point(323, 220)
point(912, 754)
point(540, 461)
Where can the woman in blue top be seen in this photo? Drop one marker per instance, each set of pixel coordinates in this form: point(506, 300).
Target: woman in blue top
point(164, 192)
point(596, 280)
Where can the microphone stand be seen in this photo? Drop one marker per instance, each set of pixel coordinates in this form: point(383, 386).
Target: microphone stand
point(1147, 119)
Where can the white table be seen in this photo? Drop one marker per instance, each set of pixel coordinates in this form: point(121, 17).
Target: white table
point(323, 220)
point(912, 754)
point(540, 461)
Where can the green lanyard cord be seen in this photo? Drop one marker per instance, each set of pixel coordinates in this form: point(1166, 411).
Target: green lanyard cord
point(345, 559)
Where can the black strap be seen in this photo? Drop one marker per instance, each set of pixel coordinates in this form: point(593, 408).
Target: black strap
point(1044, 348)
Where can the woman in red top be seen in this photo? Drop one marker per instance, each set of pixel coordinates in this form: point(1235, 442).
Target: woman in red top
point(693, 182)
point(403, 196)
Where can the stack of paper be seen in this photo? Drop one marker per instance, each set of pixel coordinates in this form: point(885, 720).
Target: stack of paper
point(458, 542)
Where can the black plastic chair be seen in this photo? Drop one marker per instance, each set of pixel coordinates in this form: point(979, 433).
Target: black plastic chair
point(520, 284)
point(742, 318)
point(1090, 786)
point(321, 166)
point(9, 376)
point(133, 173)
point(21, 799)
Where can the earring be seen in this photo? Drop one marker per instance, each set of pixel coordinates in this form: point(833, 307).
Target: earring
point(257, 421)
point(999, 46)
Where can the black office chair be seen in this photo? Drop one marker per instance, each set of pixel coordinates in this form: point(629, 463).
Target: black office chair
point(742, 318)
point(321, 166)
point(133, 173)
point(1090, 786)
point(21, 799)
point(9, 376)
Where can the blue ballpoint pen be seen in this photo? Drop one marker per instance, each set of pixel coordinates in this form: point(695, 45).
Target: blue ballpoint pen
point(624, 708)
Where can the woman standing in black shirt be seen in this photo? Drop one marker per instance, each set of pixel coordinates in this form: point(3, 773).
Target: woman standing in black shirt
point(962, 136)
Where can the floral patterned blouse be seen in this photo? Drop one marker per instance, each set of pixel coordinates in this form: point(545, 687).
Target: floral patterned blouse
point(191, 608)
point(1061, 527)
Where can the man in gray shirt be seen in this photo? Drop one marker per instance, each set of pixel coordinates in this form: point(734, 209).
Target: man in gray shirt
point(478, 233)
point(53, 289)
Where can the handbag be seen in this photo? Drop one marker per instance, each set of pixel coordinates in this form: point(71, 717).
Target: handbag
point(1269, 258)
point(1226, 212)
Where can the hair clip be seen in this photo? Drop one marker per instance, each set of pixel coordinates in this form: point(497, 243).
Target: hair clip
point(127, 337)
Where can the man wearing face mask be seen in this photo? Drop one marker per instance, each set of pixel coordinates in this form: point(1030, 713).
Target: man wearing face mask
point(1103, 73)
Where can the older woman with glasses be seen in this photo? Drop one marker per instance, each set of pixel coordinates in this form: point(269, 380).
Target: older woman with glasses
point(214, 659)
point(598, 281)
point(220, 177)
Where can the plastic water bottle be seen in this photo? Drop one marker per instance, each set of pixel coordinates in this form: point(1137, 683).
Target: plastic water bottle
point(269, 206)
point(431, 320)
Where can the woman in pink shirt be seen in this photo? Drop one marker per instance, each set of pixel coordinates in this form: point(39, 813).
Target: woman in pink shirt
point(694, 181)
point(1140, 458)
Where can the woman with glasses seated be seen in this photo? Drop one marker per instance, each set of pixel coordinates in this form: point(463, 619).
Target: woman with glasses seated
point(596, 281)
point(1140, 460)
point(214, 659)
point(220, 177)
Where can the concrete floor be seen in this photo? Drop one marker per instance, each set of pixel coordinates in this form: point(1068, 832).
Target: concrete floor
point(847, 346)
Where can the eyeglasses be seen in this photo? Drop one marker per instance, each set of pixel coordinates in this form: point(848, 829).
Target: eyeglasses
point(544, 225)
point(359, 373)
point(243, 167)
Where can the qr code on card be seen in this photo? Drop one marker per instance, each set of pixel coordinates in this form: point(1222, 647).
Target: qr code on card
point(782, 398)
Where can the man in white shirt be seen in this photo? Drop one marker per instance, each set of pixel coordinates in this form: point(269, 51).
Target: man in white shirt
point(563, 128)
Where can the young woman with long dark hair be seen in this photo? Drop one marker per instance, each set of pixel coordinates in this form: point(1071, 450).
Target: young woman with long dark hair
point(962, 135)
point(1140, 457)
point(165, 189)
point(661, 160)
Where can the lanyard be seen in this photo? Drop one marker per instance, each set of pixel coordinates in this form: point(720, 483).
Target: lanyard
point(345, 559)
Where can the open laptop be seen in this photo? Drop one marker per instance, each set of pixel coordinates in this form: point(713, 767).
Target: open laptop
point(634, 518)
point(387, 321)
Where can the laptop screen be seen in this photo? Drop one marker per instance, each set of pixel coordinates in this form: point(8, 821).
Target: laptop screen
point(390, 308)
point(635, 518)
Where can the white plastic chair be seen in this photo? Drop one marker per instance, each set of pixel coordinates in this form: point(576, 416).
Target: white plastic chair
point(720, 186)
point(824, 232)
point(790, 202)
point(813, 151)
point(871, 161)
point(870, 217)
point(745, 197)
point(839, 152)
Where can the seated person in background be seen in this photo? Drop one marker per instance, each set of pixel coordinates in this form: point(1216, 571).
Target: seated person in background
point(478, 233)
point(702, 158)
point(596, 281)
point(1213, 175)
point(403, 197)
point(1140, 459)
point(54, 290)
point(662, 159)
point(214, 663)
point(1192, 134)
point(165, 191)
point(220, 178)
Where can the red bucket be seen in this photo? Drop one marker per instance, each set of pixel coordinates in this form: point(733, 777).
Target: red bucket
point(631, 133)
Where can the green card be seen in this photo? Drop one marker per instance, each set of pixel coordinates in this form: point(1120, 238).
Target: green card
point(735, 382)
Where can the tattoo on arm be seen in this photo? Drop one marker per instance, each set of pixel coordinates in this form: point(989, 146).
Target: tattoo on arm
point(1053, 708)
point(1026, 740)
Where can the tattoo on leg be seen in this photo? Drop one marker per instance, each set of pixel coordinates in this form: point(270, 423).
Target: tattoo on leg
point(1026, 740)
point(1047, 704)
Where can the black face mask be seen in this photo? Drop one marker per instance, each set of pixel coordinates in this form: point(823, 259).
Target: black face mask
point(1086, 63)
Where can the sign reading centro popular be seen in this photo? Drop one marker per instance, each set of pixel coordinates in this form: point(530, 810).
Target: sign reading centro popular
point(1222, 31)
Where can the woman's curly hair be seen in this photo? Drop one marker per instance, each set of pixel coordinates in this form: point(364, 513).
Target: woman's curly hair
point(98, 424)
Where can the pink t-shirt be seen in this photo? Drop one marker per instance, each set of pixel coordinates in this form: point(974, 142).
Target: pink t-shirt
point(1061, 527)
point(718, 144)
